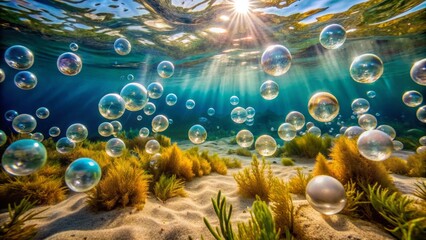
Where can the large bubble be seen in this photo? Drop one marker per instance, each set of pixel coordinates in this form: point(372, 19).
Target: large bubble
point(197, 134)
point(38, 136)
point(360, 106)
point(316, 131)
point(326, 195)
point(333, 36)
point(244, 138)
point(42, 113)
point(265, 145)
point(54, 131)
point(115, 147)
point(69, 64)
point(77, 132)
point(366, 68)
point(24, 123)
point(112, 106)
point(19, 57)
point(171, 99)
point(83, 174)
point(3, 138)
point(367, 121)
point(2, 75)
point(323, 107)
point(390, 131)
point(152, 146)
point(190, 104)
point(375, 145)
point(276, 60)
point(211, 112)
point(122, 46)
point(25, 80)
point(287, 132)
point(353, 131)
point(269, 90)
point(418, 72)
point(149, 108)
point(135, 96)
point(117, 127)
point(159, 123)
point(144, 132)
point(105, 129)
point(412, 98)
point(9, 115)
point(64, 145)
point(371, 94)
point(421, 114)
point(250, 112)
point(165, 69)
point(239, 115)
point(24, 157)
point(155, 90)
point(296, 119)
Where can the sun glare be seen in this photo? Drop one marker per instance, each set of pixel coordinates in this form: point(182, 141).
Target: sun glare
point(242, 6)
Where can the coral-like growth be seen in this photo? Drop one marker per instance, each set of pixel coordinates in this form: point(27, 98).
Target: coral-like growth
point(396, 165)
point(417, 164)
point(287, 161)
point(297, 184)
point(169, 187)
point(240, 152)
point(282, 208)
point(420, 190)
point(308, 146)
point(174, 162)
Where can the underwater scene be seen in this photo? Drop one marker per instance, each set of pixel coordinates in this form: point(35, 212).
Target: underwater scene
point(213, 119)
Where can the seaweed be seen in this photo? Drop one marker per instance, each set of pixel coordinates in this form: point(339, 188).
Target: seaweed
point(297, 184)
point(169, 187)
point(287, 161)
point(308, 146)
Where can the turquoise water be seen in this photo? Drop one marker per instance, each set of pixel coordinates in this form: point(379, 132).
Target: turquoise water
point(210, 67)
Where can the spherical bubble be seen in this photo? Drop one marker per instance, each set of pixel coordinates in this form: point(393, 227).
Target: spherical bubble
point(149, 108)
point(54, 131)
point(69, 64)
point(25, 80)
point(421, 149)
point(73, 47)
point(159, 123)
point(144, 132)
point(421, 114)
point(375, 145)
point(309, 125)
point(19, 57)
point(83, 174)
point(333, 36)
point(418, 72)
point(245, 138)
point(371, 94)
point(2, 75)
point(9, 115)
point(239, 115)
point(115, 147)
point(155, 90)
point(326, 195)
point(111, 106)
point(197, 134)
point(24, 123)
point(211, 112)
point(323, 107)
point(287, 132)
point(265, 145)
point(296, 119)
point(234, 100)
point(397, 145)
point(366, 68)
point(390, 131)
point(139, 118)
point(122, 46)
point(249, 122)
point(171, 99)
point(367, 121)
point(190, 104)
point(152, 146)
point(117, 127)
point(77, 132)
point(422, 141)
point(165, 69)
point(360, 106)
point(250, 112)
point(24, 157)
point(64, 145)
point(130, 77)
point(170, 121)
point(3, 138)
point(42, 113)
point(353, 132)
point(412, 98)
point(377, 114)
point(38, 136)
point(105, 129)
point(269, 90)
point(315, 131)
point(276, 60)
point(135, 96)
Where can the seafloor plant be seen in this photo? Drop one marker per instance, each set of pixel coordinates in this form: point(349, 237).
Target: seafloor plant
point(287, 161)
point(353, 199)
point(308, 146)
point(417, 164)
point(169, 187)
point(297, 184)
point(240, 152)
point(420, 190)
point(396, 165)
point(282, 208)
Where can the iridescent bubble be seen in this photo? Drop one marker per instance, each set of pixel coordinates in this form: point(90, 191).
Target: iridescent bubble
point(171, 99)
point(366, 68)
point(315, 131)
point(418, 72)
point(19, 57)
point(234, 100)
point(353, 132)
point(24, 123)
point(211, 112)
point(276, 60)
point(38, 136)
point(9, 115)
point(105, 129)
point(2, 75)
point(397, 145)
point(309, 125)
point(54, 131)
point(122, 46)
point(159, 123)
point(165, 69)
point(412, 98)
point(73, 47)
point(83, 174)
point(3, 138)
point(25, 80)
point(117, 127)
point(64, 145)
point(421, 149)
point(130, 77)
point(115, 147)
point(144, 132)
point(42, 113)
point(149, 108)
point(326, 195)
point(155, 90)
point(135, 96)
point(375, 145)
point(69, 64)
point(371, 94)
point(265, 145)
point(139, 117)
point(112, 106)
point(360, 106)
point(77, 132)
point(333, 36)
point(190, 104)
point(244, 138)
point(323, 107)
point(197, 134)
point(269, 90)
point(296, 119)
point(287, 132)
point(152, 146)
point(422, 141)
point(367, 121)
point(239, 115)
point(390, 131)
point(421, 114)
point(24, 157)
point(250, 112)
